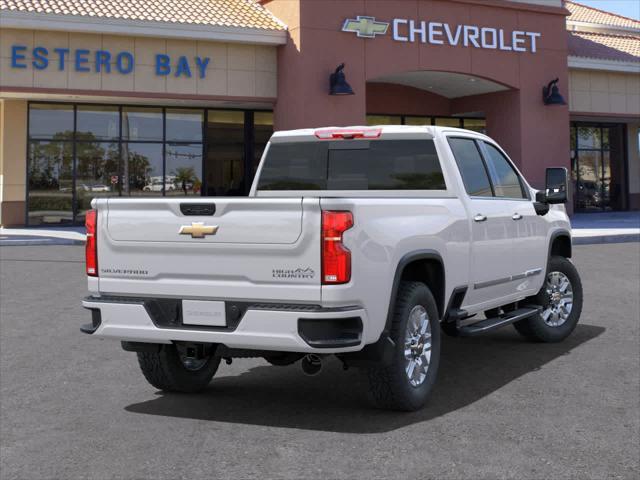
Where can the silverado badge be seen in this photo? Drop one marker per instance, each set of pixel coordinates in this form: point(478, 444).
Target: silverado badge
point(198, 230)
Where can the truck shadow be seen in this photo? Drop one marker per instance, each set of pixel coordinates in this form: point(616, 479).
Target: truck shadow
point(335, 401)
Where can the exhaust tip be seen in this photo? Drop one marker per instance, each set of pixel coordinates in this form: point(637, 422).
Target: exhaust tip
point(311, 365)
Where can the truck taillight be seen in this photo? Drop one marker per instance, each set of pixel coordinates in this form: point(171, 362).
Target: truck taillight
point(91, 248)
point(336, 258)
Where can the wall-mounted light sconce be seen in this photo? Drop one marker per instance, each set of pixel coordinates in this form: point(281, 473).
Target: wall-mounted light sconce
point(551, 94)
point(338, 83)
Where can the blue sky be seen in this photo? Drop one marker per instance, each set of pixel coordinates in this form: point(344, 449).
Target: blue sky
point(628, 8)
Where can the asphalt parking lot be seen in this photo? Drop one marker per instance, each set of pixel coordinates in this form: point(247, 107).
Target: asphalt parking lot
point(76, 407)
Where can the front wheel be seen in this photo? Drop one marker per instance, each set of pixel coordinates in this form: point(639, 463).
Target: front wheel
point(171, 370)
point(406, 382)
point(561, 300)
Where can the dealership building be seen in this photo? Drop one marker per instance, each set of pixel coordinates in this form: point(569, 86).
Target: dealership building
point(179, 97)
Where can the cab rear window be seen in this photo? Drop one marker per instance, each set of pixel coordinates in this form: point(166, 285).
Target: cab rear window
point(352, 165)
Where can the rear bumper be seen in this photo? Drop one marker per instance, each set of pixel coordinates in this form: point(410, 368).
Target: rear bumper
point(259, 326)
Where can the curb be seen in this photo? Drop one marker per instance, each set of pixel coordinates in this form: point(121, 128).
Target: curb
point(629, 238)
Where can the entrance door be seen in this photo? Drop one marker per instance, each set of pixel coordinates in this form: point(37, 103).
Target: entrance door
point(598, 171)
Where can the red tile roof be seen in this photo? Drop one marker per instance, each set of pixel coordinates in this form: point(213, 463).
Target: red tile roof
point(624, 48)
point(225, 13)
point(582, 13)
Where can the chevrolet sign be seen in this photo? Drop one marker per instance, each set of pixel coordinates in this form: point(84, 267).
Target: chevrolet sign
point(438, 33)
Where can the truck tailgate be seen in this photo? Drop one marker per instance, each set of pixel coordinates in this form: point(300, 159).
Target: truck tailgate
point(249, 249)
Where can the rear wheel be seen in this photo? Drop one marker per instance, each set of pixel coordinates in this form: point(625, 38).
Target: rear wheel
point(406, 383)
point(561, 300)
point(171, 370)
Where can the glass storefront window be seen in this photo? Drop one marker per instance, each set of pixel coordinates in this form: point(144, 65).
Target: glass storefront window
point(448, 122)
point(263, 129)
point(384, 120)
point(225, 153)
point(475, 124)
point(78, 152)
point(184, 169)
point(420, 121)
point(184, 125)
point(51, 121)
point(142, 124)
point(97, 123)
point(143, 169)
point(598, 168)
point(589, 137)
point(50, 173)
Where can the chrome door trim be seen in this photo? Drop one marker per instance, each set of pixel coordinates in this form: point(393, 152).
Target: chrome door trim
point(498, 281)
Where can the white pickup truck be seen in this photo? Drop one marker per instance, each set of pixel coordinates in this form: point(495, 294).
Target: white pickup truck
point(360, 242)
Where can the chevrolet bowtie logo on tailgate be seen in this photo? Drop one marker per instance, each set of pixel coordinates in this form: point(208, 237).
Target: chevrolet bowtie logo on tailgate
point(365, 27)
point(198, 230)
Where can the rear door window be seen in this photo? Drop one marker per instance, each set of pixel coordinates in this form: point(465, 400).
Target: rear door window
point(353, 165)
point(472, 168)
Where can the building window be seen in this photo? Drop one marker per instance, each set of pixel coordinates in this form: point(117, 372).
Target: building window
point(384, 120)
point(598, 166)
point(475, 124)
point(78, 152)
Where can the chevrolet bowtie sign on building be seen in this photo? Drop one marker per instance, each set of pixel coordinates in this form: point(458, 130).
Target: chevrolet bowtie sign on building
point(438, 33)
point(365, 27)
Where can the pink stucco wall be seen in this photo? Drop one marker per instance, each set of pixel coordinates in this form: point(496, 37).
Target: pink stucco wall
point(534, 135)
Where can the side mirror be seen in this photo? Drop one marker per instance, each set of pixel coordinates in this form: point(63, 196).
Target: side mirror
point(557, 185)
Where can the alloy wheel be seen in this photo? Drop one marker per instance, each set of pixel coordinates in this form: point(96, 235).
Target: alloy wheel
point(417, 346)
point(560, 299)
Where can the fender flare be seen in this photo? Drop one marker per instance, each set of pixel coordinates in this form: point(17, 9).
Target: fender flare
point(557, 234)
point(407, 258)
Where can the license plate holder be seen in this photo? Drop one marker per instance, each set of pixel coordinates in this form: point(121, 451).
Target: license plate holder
point(204, 313)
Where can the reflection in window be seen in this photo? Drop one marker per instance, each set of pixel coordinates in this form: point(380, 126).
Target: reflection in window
point(184, 169)
point(142, 124)
point(225, 153)
point(97, 167)
point(505, 179)
point(184, 125)
point(474, 175)
point(97, 123)
point(50, 172)
point(589, 137)
point(143, 169)
point(51, 121)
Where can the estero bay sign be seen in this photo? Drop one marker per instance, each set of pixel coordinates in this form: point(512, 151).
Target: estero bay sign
point(439, 33)
point(98, 61)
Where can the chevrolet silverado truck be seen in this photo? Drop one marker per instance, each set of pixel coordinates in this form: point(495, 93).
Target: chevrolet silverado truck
point(362, 242)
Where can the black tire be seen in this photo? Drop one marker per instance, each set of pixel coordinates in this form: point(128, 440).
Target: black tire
point(166, 371)
point(535, 328)
point(389, 386)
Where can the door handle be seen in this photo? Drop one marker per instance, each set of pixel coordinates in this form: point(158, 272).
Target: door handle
point(480, 218)
point(517, 216)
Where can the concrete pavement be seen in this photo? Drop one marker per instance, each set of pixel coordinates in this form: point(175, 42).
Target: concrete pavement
point(76, 407)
